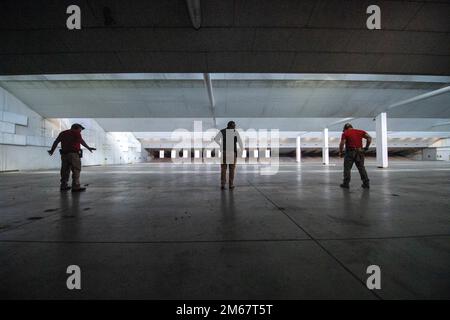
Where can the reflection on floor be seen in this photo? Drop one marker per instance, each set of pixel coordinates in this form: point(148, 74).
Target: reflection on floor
point(168, 231)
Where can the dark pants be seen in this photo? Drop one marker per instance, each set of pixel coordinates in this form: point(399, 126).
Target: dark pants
point(355, 156)
point(223, 171)
point(70, 162)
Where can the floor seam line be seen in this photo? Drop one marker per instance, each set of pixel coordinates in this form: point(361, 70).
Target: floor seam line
point(154, 242)
point(386, 238)
point(218, 241)
point(317, 242)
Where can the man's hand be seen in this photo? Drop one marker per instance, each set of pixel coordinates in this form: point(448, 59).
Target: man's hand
point(50, 152)
point(92, 149)
point(341, 154)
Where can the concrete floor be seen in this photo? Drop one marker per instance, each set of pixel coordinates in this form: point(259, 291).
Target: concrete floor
point(161, 231)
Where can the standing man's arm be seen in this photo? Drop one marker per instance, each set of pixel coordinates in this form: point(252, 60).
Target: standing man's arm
point(55, 144)
point(368, 141)
point(218, 138)
point(239, 141)
point(84, 144)
point(341, 146)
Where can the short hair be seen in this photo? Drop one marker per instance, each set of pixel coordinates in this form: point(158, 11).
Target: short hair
point(348, 126)
point(231, 124)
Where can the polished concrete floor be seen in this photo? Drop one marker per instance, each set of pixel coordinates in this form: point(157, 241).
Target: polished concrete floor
point(162, 231)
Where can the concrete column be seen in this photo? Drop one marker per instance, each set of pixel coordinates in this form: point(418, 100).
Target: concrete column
point(382, 151)
point(298, 152)
point(325, 149)
point(161, 154)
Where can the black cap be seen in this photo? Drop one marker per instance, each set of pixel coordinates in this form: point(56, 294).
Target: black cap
point(77, 126)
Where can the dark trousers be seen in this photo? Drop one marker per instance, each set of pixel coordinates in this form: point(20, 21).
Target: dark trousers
point(223, 174)
point(223, 171)
point(70, 162)
point(355, 156)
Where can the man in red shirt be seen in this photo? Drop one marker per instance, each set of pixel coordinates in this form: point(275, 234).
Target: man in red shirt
point(71, 156)
point(354, 153)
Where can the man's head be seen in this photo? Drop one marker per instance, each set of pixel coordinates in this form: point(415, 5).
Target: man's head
point(231, 125)
point(77, 127)
point(347, 126)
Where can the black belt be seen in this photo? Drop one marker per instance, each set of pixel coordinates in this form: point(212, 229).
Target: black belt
point(79, 152)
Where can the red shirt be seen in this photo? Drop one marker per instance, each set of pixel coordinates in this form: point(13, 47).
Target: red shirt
point(353, 138)
point(70, 141)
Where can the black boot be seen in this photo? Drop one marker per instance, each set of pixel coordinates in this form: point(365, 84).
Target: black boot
point(365, 185)
point(65, 187)
point(78, 188)
point(345, 185)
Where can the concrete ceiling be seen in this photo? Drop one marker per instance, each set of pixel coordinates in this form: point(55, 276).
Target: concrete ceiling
point(288, 102)
point(287, 36)
point(233, 98)
point(283, 124)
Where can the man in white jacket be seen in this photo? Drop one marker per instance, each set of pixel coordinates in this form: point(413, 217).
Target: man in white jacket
point(228, 138)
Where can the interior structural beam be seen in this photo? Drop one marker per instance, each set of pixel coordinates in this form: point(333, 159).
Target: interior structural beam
point(298, 151)
point(325, 148)
point(419, 97)
point(212, 102)
point(381, 140)
point(195, 13)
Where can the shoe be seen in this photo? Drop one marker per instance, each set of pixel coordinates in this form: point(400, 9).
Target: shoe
point(222, 187)
point(79, 190)
point(65, 188)
point(365, 186)
point(231, 187)
point(345, 186)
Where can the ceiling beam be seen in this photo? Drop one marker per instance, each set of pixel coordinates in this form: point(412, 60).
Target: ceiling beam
point(419, 97)
point(441, 124)
point(212, 102)
point(195, 13)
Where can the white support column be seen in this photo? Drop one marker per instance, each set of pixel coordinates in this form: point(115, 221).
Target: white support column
point(298, 152)
point(325, 149)
point(382, 151)
point(161, 154)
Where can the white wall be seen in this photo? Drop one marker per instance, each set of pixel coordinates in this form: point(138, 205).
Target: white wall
point(429, 154)
point(112, 147)
point(442, 149)
point(25, 137)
